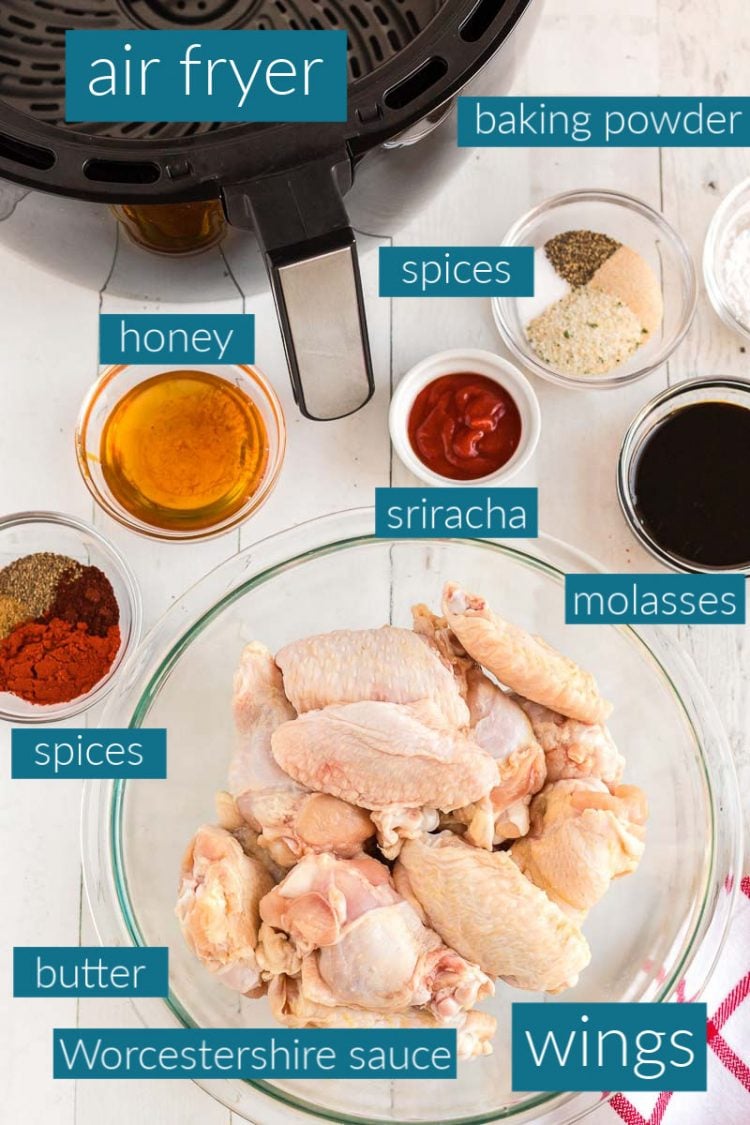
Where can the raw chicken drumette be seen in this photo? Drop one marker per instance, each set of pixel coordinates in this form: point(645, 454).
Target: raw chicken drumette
point(362, 945)
point(289, 819)
point(217, 907)
point(573, 749)
point(582, 836)
point(481, 905)
point(291, 1007)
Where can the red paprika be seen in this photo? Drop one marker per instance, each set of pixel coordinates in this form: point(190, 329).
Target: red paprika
point(55, 662)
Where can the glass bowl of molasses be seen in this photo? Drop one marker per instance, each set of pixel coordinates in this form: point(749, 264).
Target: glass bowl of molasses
point(683, 477)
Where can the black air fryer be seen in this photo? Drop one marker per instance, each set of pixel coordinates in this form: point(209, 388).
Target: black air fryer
point(408, 59)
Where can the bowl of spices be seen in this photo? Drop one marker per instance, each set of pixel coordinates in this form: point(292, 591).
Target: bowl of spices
point(69, 616)
point(726, 260)
point(684, 475)
point(464, 417)
point(614, 291)
point(181, 454)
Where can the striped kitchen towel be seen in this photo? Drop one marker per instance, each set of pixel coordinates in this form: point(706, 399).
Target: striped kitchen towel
point(727, 1100)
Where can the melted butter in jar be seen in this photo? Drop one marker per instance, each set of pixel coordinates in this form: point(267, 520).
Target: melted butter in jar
point(184, 450)
point(691, 485)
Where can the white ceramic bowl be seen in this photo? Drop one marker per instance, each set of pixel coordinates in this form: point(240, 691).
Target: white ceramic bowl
point(457, 361)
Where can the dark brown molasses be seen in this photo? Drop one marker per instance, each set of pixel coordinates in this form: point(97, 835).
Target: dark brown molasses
point(691, 485)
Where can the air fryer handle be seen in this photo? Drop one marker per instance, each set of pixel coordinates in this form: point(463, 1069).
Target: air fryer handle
point(311, 257)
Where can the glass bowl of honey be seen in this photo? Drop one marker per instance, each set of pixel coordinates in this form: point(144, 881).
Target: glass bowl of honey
point(181, 454)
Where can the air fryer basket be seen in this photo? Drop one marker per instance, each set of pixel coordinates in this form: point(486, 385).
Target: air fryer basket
point(285, 182)
point(32, 44)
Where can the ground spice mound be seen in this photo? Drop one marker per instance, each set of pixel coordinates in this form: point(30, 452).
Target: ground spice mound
point(586, 333)
point(577, 254)
point(87, 597)
point(33, 579)
point(55, 662)
point(12, 613)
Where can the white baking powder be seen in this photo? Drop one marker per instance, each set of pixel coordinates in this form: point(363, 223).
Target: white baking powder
point(735, 274)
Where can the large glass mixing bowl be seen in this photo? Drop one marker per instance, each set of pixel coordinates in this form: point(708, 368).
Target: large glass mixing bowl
point(655, 935)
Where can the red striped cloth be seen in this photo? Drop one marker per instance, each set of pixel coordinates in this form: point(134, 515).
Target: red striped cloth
point(727, 1100)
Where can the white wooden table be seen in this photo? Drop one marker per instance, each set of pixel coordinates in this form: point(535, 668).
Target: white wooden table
point(49, 358)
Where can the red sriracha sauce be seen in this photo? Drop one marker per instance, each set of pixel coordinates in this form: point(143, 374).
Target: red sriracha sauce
point(464, 426)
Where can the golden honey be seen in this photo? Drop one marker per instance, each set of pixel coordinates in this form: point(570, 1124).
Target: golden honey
point(184, 450)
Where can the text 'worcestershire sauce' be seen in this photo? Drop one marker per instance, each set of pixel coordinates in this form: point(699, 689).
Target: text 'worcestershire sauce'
point(691, 485)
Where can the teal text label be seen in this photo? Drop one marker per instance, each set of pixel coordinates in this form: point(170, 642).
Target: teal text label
point(633, 122)
point(90, 971)
point(620, 1046)
point(257, 1053)
point(655, 599)
point(460, 513)
point(206, 75)
point(456, 271)
point(144, 338)
point(58, 752)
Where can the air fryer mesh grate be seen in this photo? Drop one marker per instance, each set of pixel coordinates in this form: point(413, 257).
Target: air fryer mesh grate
point(32, 41)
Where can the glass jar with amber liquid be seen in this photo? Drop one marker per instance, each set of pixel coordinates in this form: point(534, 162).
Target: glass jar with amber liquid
point(175, 229)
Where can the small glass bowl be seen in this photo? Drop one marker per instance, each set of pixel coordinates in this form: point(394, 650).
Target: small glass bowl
point(721, 389)
point(732, 216)
point(114, 383)
point(633, 223)
point(26, 533)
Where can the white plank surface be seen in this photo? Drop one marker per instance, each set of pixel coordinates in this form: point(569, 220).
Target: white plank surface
point(49, 334)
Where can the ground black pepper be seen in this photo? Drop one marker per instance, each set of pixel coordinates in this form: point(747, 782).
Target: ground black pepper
point(33, 579)
point(576, 255)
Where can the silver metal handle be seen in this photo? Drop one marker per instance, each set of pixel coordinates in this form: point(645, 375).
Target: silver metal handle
point(311, 257)
point(324, 322)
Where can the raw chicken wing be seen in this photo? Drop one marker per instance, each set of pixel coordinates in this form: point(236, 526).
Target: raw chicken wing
point(289, 819)
point(259, 706)
point(398, 823)
point(387, 665)
point(522, 662)
point(500, 727)
point(574, 749)
point(378, 755)
point(582, 836)
point(436, 633)
point(291, 1007)
point(217, 907)
point(361, 944)
point(230, 819)
point(482, 906)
